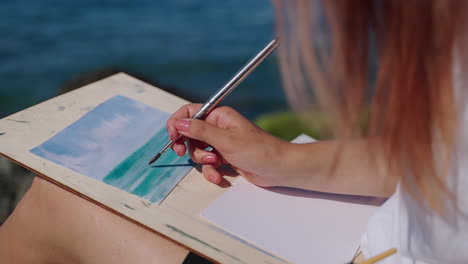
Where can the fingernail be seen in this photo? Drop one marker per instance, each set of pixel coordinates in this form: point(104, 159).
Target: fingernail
point(209, 159)
point(213, 178)
point(179, 151)
point(183, 124)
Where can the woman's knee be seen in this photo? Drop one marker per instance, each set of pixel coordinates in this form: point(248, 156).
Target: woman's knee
point(85, 231)
point(24, 237)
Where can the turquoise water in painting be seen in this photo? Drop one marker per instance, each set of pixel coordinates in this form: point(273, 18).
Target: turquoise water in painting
point(154, 182)
point(114, 142)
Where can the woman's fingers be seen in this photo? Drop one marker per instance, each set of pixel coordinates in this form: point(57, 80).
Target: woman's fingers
point(210, 160)
point(186, 111)
point(192, 143)
point(199, 155)
point(179, 147)
point(211, 174)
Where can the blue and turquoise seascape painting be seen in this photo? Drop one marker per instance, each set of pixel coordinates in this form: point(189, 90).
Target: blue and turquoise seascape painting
point(114, 142)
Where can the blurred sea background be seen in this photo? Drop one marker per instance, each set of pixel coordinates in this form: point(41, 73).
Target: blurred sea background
point(194, 46)
point(187, 47)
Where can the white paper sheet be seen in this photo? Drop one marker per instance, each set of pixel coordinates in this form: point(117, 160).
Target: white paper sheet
point(299, 226)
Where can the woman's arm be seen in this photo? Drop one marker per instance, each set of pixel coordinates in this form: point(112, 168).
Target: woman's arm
point(329, 166)
point(268, 161)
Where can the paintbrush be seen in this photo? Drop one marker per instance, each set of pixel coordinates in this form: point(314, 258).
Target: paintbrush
point(216, 98)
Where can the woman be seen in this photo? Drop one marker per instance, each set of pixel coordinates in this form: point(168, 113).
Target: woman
point(411, 151)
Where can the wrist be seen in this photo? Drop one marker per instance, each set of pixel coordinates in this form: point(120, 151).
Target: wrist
point(297, 167)
point(285, 164)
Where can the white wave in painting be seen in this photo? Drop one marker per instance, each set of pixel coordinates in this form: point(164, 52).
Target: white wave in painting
point(104, 137)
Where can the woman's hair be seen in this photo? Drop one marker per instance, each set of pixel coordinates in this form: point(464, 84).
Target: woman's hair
point(392, 61)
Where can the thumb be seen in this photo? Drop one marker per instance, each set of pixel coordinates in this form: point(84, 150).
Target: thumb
point(202, 131)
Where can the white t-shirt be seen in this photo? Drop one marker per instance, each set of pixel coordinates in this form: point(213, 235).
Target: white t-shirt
point(420, 235)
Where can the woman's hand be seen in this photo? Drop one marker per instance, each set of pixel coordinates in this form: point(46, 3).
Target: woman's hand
point(236, 141)
point(268, 161)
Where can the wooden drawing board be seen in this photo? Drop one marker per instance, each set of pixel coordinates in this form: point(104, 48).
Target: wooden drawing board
point(177, 217)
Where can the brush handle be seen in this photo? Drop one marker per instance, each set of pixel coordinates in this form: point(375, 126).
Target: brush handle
point(227, 88)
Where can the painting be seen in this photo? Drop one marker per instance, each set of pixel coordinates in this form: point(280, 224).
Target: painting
point(113, 143)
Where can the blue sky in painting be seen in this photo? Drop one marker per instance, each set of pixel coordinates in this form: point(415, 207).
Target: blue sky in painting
point(104, 137)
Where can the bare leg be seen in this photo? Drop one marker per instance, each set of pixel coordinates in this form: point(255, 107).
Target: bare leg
point(51, 225)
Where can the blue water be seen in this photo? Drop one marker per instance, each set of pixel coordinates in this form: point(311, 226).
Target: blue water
point(194, 46)
point(150, 182)
point(114, 142)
